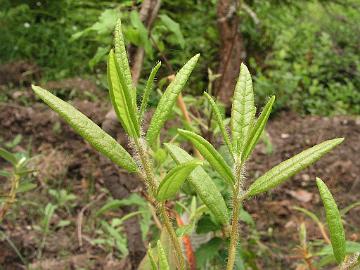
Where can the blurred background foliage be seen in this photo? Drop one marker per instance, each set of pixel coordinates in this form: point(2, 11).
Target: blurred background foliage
point(307, 52)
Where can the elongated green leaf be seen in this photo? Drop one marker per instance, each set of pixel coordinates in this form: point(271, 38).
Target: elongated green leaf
point(121, 98)
point(8, 156)
point(210, 154)
point(151, 258)
point(243, 109)
point(148, 88)
point(163, 262)
point(220, 122)
point(257, 129)
point(91, 132)
point(174, 27)
point(333, 219)
point(174, 179)
point(168, 100)
point(202, 184)
point(290, 167)
point(121, 57)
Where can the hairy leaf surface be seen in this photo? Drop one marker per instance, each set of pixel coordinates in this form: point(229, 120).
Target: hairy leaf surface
point(220, 122)
point(243, 109)
point(333, 219)
point(91, 132)
point(210, 154)
point(172, 182)
point(168, 100)
point(148, 88)
point(257, 129)
point(202, 184)
point(163, 262)
point(290, 167)
point(121, 98)
point(121, 57)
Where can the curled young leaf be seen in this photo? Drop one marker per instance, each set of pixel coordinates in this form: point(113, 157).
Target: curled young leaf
point(148, 88)
point(243, 109)
point(257, 129)
point(210, 154)
point(163, 262)
point(290, 167)
point(86, 128)
point(202, 184)
point(220, 122)
point(333, 220)
point(174, 179)
point(168, 100)
point(121, 98)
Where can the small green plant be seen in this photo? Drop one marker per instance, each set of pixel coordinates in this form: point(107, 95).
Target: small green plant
point(245, 133)
point(16, 177)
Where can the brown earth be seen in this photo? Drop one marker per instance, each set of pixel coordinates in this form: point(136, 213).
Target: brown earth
point(64, 155)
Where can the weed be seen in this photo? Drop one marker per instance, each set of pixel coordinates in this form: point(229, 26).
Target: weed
point(245, 134)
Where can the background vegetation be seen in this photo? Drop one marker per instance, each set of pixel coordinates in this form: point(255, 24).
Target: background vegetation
point(306, 51)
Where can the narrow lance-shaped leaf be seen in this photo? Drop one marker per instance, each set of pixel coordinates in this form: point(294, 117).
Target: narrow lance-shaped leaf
point(202, 184)
point(147, 90)
point(243, 109)
point(121, 98)
point(151, 258)
point(257, 129)
point(172, 182)
point(290, 167)
point(220, 122)
point(91, 132)
point(121, 57)
point(8, 156)
point(333, 220)
point(168, 100)
point(210, 154)
point(163, 262)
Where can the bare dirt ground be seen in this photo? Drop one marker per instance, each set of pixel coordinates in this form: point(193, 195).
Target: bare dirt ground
point(66, 158)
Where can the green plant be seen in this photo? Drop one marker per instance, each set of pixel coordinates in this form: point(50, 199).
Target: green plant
point(334, 248)
point(245, 133)
point(17, 179)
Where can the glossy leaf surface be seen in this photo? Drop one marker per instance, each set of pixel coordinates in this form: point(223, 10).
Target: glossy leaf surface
point(172, 182)
point(121, 98)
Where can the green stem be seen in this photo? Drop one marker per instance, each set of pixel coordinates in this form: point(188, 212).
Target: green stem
point(234, 233)
point(174, 239)
point(152, 187)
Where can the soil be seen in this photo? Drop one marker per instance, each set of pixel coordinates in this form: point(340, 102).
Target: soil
point(64, 159)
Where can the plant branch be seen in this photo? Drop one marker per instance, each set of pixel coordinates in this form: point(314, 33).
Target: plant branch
point(236, 201)
point(148, 176)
